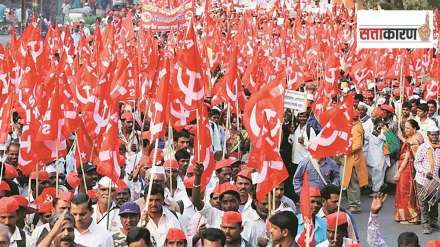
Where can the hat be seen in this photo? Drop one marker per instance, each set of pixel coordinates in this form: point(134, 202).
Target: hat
point(50, 168)
point(175, 234)
point(189, 182)
point(432, 128)
point(146, 135)
point(245, 173)
point(171, 164)
point(8, 205)
point(21, 200)
point(129, 208)
point(65, 196)
point(231, 218)
point(314, 192)
point(127, 116)
point(432, 243)
point(45, 207)
point(387, 108)
point(4, 186)
point(378, 113)
point(42, 175)
point(331, 219)
point(89, 166)
point(224, 163)
point(10, 171)
point(91, 194)
point(355, 114)
point(227, 187)
point(47, 195)
point(106, 182)
point(146, 161)
point(73, 180)
point(24, 203)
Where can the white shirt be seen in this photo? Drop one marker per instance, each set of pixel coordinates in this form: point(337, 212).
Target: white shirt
point(95, 236)
point(214, 217)
point(258, 225)
point(115, 221)
point(159, 232)
point(299, 151)
point(36, 234)
point(16, 236)
point(424, 126)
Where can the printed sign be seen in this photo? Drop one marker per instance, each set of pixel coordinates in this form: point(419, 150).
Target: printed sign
point(395, 29)
point(158, 18)
point(295, 100)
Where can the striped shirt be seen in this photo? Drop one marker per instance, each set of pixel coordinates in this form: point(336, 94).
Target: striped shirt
point(421, 163)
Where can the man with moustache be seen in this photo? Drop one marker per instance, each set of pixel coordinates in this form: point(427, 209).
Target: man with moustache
point(130, 215)
point(62, 231)
point(8, 217)
point(232, 227)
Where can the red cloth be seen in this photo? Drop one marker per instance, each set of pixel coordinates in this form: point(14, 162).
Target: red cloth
point(405, 202)
point(8, 205)
point(175, 234)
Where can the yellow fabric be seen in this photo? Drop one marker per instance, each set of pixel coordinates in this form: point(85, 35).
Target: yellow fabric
point(356, 158)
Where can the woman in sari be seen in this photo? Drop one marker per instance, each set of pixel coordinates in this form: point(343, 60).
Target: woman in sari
point(406, 209)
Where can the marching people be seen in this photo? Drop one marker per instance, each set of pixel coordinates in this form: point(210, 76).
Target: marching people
point(200, 132)
point(426, 165)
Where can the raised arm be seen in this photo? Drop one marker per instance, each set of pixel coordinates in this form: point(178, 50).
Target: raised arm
point(196, 193)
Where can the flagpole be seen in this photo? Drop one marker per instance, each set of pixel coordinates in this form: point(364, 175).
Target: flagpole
point(399, 118)
point(198, 133)
point(147, 104)
point(109, 204)
point(227, 132)
point(340, 195)
point(150, 184)
point(169, 151)
point(56, 167)
point(80, 162)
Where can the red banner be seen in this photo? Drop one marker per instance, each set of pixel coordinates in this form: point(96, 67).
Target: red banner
point(157, 18)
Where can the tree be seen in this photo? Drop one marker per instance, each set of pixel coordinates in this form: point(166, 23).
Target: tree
point(402, 4)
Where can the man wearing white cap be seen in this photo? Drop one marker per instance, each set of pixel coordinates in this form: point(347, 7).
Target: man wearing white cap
point(102, 212)
point(426, 164)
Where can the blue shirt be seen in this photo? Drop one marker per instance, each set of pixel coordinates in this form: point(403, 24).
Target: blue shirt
point(320, 225)
point(328, 168)
point(312, 121)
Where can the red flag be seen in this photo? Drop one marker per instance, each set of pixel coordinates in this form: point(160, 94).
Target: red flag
point(5, 118)
point(334, 138)
point(266, 106)
point(203, 147)
point(109, 151)
point(306, 238)
point(189, 85)
point(159, 106)
point(268, 162)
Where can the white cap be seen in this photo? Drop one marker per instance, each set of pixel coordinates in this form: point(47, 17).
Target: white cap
point(157, 170)
point(415, 96)
point(432, 128)
point(106, 182)
point(50, 168)
point(381, 101)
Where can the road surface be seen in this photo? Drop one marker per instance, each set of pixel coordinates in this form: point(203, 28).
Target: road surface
point(389, 228)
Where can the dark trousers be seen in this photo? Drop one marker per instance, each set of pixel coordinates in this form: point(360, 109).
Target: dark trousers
point(429, 212)
point(289, 191)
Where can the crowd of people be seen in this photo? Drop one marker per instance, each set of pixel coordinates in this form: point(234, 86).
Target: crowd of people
point(164, 195)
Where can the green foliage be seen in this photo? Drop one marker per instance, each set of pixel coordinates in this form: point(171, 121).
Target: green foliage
point(90, 20)
point(403, 4)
